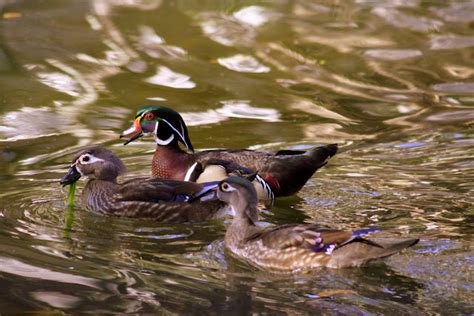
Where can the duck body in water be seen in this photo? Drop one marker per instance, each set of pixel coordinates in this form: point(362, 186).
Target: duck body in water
point(163, 200)
point(294, 247)
point(281, 173)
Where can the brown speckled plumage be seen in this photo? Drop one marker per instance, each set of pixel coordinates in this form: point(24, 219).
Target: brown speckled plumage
point(152, 198)
point(295, 248)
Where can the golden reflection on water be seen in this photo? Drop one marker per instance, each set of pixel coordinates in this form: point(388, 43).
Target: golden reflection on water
point(391, 83)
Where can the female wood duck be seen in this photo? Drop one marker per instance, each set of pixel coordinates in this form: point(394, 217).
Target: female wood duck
point(282, 173)
point(294, 248)
point(168, 201)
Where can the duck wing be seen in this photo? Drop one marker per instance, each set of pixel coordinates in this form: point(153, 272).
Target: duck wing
point(159, 190)
point(214, 168)
point(252, 159)
point(309, 237)
point(343, 248)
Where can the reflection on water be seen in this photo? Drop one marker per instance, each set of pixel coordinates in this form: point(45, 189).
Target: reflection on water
point(391, 82)
point(243, 63)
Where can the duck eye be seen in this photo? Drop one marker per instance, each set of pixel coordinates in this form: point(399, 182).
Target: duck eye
point(149, 116)
point(225, 187)
point(85, 159)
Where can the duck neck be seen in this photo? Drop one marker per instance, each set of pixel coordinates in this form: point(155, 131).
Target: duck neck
point(170, 162)
point(242, 225)
point(97, 194)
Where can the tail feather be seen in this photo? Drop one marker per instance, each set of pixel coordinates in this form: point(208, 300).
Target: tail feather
point(287, 174)
point(322, 154)
point(362, 232)
point(358, 253)
point(396, 244)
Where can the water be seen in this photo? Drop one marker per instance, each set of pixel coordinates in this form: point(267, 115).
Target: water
point(392, 83)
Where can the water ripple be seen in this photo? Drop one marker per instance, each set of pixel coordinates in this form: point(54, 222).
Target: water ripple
point(440, 42)
point(390, 82)
point(168, 78)
point(393, 54)
point(254, 15)
point(154, 45)
point(13, 266)
point(231, 108)
point(243, 63)
point(399, 19)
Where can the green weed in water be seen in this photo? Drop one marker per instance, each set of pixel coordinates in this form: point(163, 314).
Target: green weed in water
point(69, 218)
point(71, 194)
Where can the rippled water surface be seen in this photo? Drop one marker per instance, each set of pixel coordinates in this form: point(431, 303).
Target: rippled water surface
point(392, 82)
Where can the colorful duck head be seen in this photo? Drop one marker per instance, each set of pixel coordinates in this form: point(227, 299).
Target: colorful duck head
point(95, 163)
point(164, 123)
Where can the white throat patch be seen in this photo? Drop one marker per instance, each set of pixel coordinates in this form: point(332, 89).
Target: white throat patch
point(78, 169)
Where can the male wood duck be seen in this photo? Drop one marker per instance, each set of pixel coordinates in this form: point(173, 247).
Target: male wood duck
point(281, 173)
point(167, 201)
point(295, 248)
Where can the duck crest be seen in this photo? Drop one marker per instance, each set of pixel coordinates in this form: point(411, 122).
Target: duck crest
point(170, 163)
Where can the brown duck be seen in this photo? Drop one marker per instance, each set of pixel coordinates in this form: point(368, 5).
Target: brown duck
point(167, 201)
point(281, 173)
point(295, 248)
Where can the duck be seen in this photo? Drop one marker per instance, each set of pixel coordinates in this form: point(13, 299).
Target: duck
point(280, 173)
point(294, 248)
point(162, 200)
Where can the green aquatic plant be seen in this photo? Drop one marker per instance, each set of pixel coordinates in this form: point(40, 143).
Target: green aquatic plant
point(71, 194)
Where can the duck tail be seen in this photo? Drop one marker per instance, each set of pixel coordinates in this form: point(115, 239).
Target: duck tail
point(322, 154)
point(288, 171)
point(363, 232)
point(361, 251)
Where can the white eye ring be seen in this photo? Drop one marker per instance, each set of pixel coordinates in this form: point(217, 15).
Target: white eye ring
point(227, 187)
point(87, 159)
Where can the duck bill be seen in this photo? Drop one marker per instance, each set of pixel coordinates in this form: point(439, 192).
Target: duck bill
point(134, 132)
point(208, 192)
point(71, 176)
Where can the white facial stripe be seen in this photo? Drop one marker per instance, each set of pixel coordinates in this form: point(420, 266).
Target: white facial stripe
point(95, 159)
point(228, 188)
point(181, 135)
point(164, 142)
point(77, 168)
point(190, 171)
point(87, 159)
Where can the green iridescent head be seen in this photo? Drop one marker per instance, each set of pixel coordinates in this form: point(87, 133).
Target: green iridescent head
point(167, 126)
